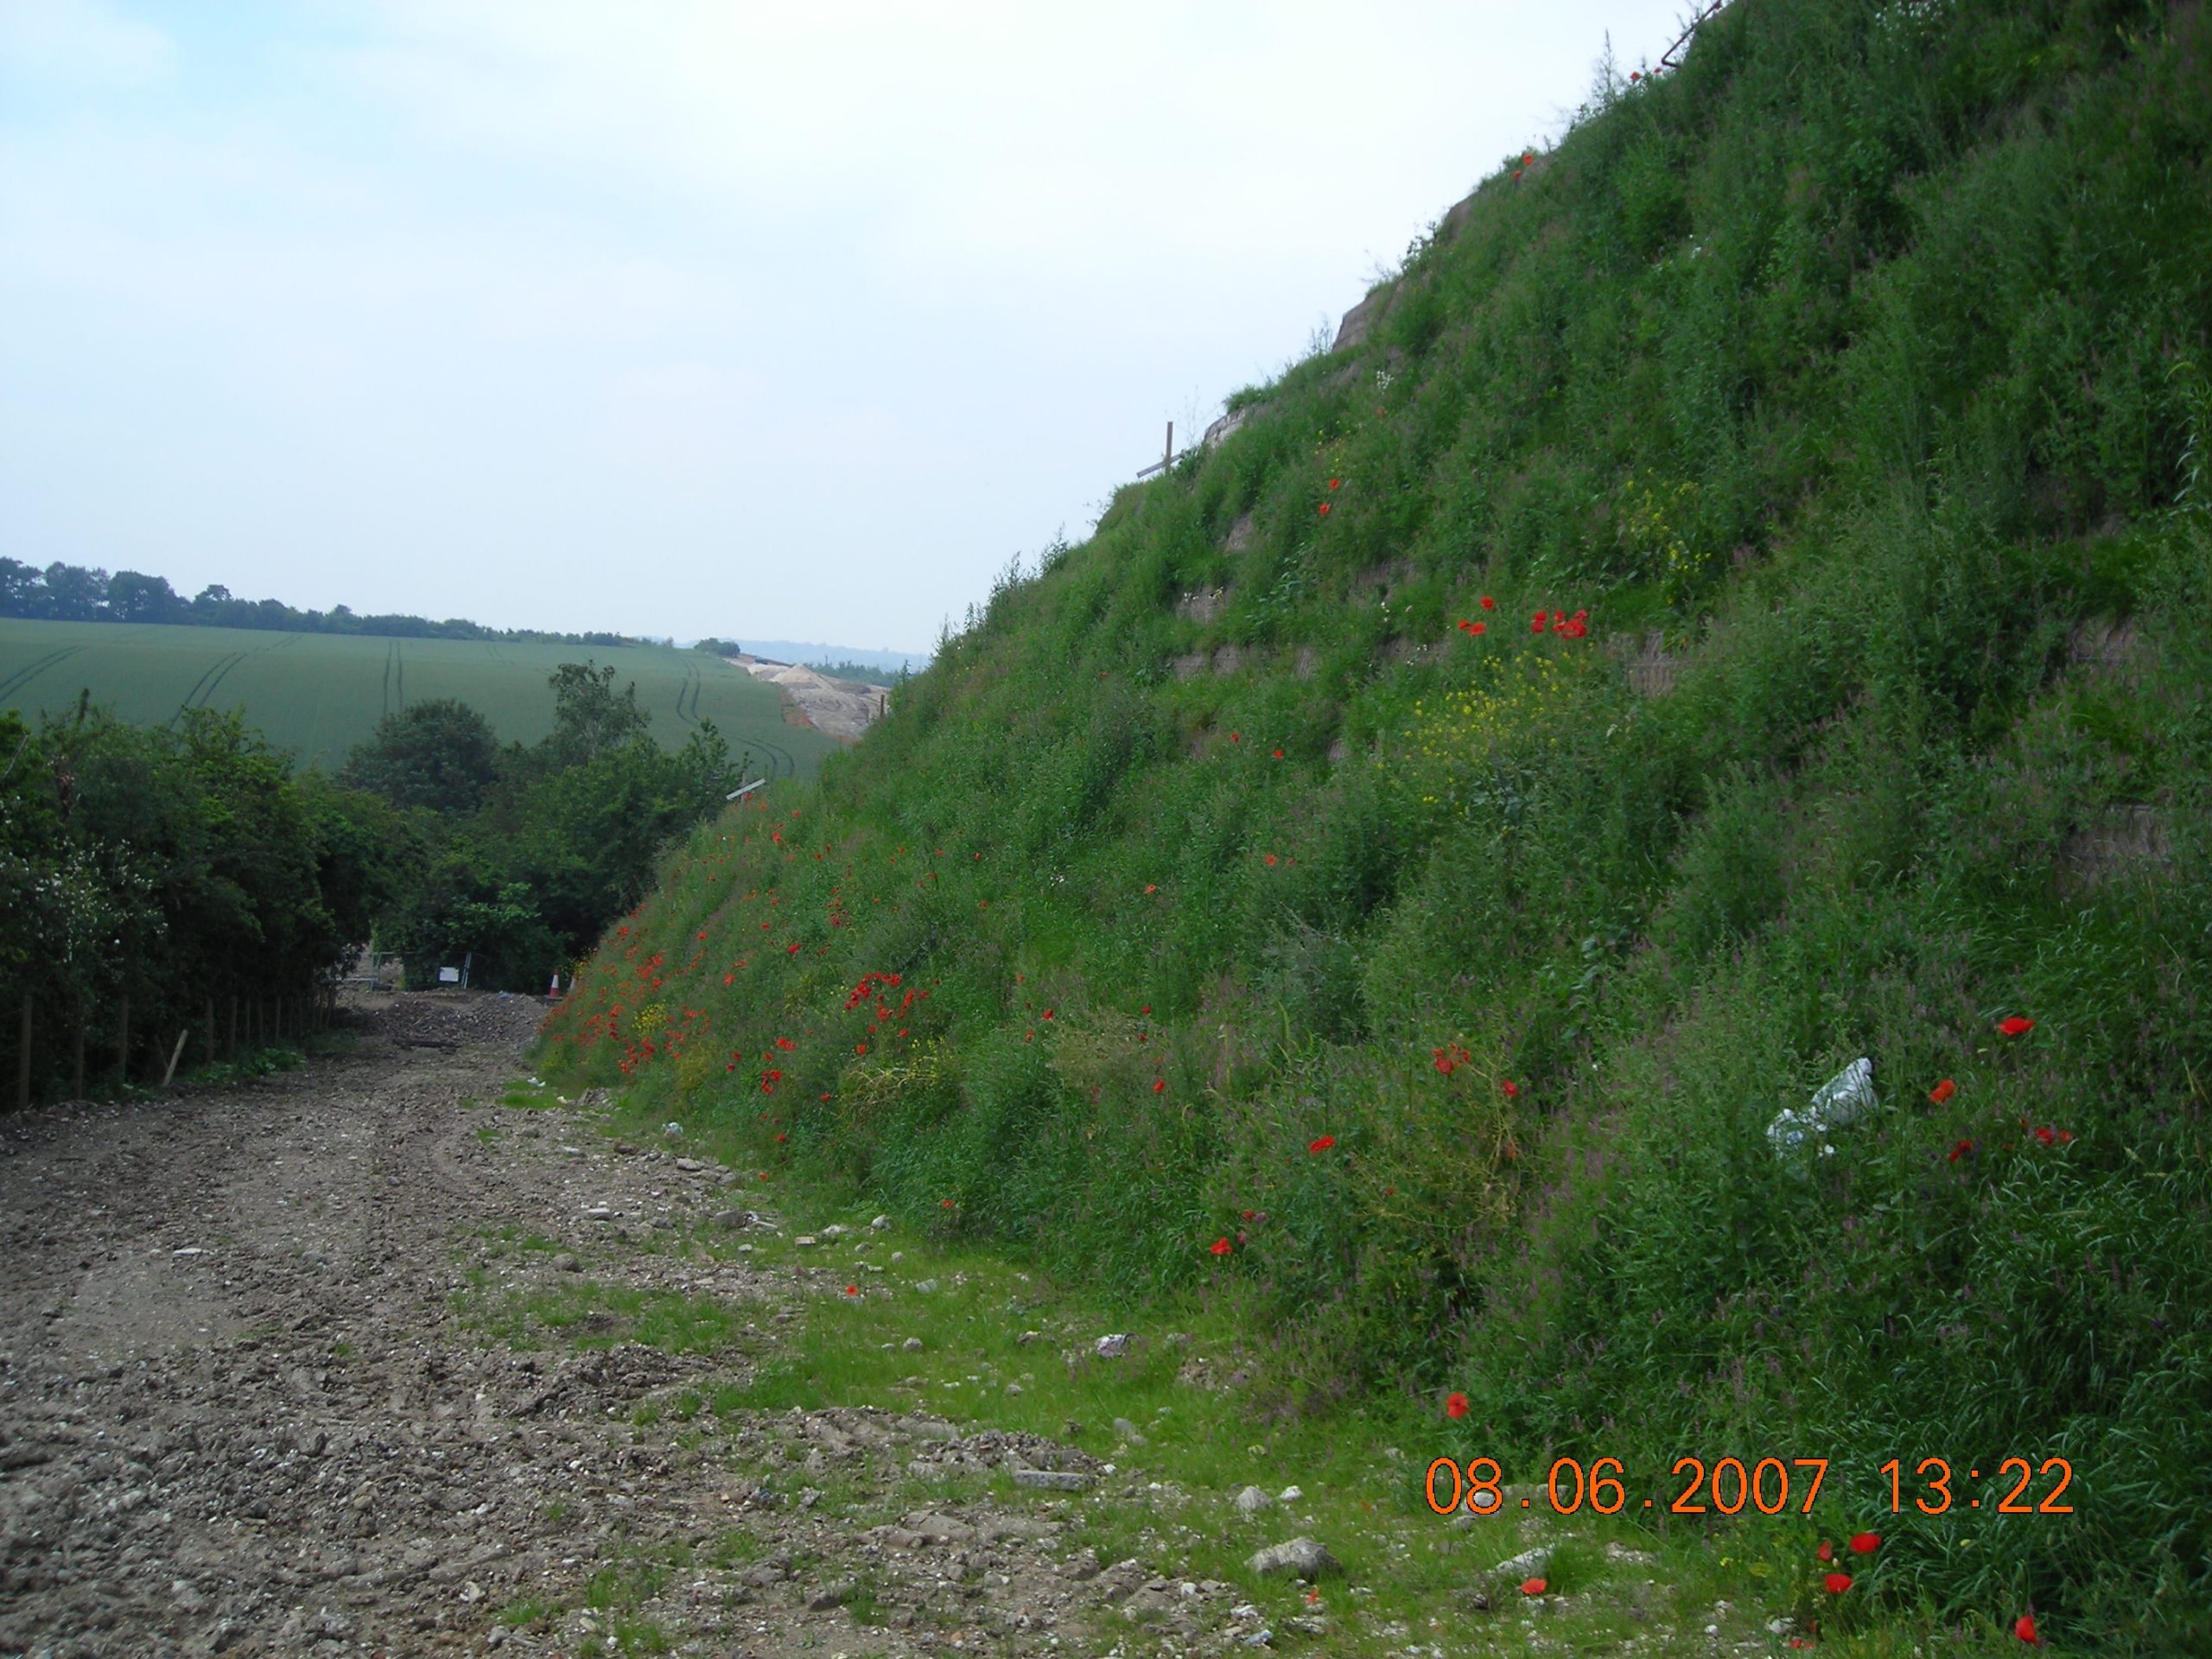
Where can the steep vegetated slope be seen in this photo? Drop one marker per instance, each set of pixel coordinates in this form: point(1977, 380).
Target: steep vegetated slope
point(1738, 608)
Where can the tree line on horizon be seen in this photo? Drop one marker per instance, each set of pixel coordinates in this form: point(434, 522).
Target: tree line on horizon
point(74, 593)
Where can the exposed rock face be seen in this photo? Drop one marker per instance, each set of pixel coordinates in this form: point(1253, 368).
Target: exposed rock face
point(1363, 317)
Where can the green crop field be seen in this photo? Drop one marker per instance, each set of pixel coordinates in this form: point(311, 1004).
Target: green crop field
point(319, 694)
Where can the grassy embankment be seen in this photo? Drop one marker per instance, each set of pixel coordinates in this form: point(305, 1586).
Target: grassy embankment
point(319, 694)
point(1863, 360)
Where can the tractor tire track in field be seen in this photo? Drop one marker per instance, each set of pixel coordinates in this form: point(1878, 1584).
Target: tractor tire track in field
point(246, 1408)
point(24, 676)
point(208, 696)
point(204, 686)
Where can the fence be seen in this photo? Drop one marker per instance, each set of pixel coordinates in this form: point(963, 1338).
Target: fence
point(254, 1022)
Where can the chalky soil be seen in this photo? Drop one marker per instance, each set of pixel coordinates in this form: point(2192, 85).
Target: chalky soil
point(244, 1408)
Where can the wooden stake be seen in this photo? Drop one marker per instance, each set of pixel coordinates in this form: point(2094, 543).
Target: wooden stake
point(176, 1054)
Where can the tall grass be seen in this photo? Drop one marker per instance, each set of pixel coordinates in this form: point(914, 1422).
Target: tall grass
point(1452, 978)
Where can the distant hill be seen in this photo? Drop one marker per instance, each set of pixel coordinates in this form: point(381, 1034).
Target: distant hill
point(318, 694)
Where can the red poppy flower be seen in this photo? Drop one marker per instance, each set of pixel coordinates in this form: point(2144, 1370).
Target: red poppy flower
point(1222, 1246)
point(2016, 1026)
point(1865, 1543)
point(1322, 1144)
point(852, 1290)
point(1536, 623)
point(945, 1203)
point(1517, 176)
point(1636, 74)
point(1455, 1405)
point(1964, 1149)
point(1237, 737)
point(1527, 157)
point(1512, 1088)
point(1325, 509)
point(1837, 1583)
point(1151, 887)
point(1278, 754)
point(2025, 1628)
point(1532, 1586)
point(1478, 628)
point(1825, 1553)
point(1489, 604)
point(1048, 1013)
point(2046, 1134)
point(1248, 1215)
point(1159, 1085)
point(1271, 860)
point(1145, 1009)
point(1334, 482)
point(1942, 1091)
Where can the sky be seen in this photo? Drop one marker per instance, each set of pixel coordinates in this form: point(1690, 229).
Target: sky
point(691, 317)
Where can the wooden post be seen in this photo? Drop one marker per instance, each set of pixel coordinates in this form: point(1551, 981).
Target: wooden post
point(23, 1058)
point(1167, 455)
point(176, 1054)
point(123, 1044)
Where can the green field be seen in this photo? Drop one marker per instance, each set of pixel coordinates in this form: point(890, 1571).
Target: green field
point(319, 694)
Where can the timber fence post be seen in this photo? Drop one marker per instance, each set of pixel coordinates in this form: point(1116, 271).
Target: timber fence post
point(176, 1054)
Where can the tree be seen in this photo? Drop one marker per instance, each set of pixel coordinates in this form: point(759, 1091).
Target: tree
point(133, 596)
point(73, 593)
point(19, 587)
point(439, 755)
point(588, 719)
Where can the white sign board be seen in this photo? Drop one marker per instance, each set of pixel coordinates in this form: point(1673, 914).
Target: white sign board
point(449, 976)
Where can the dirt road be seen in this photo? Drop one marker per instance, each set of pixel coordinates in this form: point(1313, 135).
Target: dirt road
point(249, 1402)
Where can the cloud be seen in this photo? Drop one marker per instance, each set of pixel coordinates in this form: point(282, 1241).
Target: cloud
point(72, 44)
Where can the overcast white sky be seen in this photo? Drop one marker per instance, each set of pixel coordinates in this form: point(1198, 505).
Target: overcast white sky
point(686, 318)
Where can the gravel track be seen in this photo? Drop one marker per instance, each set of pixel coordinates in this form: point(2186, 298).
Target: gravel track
point(242, 1409)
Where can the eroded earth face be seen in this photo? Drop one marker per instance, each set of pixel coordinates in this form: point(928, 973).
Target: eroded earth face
point(256, 1396)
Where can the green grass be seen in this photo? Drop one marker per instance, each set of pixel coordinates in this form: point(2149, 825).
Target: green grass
point(1362, 1478)
point(319, 694)
point(1862, 360)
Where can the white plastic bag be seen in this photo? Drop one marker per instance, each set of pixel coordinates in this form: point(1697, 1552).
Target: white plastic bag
point(1844, 1098)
